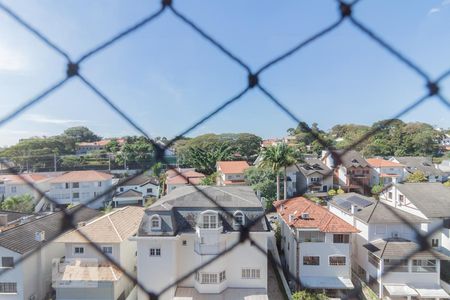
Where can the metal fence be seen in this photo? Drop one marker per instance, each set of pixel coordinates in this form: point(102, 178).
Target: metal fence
point(346, 9)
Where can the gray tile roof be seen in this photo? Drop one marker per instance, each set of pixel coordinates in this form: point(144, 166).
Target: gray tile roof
point(432, 199)
point(401, 248)
point(139, 180)
point(128, 194)
point(180, 209)
point(372, 211)
point(21, 239)
point(351, 158)
point(416, 163)
point(314, 165)
point(13, 215)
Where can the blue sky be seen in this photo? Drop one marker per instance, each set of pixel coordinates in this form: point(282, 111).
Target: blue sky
point(166, 76)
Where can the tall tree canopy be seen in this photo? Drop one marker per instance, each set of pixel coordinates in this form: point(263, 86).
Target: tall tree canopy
point(81, 134)
point(202, 152)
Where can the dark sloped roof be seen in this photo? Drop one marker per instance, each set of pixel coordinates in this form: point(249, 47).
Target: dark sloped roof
point(419, 163)
point(139, 180)
point(313, 165)
point(432, 199)
point(351, 158)
point(129, 194)
point(21, 239)
point(13, 215)
point(401, 248)
point(181, 208)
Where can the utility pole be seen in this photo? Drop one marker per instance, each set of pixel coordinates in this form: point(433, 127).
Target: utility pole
point(54, 161)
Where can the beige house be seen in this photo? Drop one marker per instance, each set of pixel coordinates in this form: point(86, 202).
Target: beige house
point(84, 272)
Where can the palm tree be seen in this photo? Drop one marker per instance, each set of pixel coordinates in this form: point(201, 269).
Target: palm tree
point(277, 157)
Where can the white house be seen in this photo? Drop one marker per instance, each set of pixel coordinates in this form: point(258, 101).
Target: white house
point(386, 251)
point(316, 245)
point(418, 163)
point(231, 172)
point(81, 187)
point(135, 190)
point(185, 229)
point(15, 185)
point(430, 201)
point(385, 171)
point(82, 272)
point(87, 147)
point(26, 253)
point(312, 176)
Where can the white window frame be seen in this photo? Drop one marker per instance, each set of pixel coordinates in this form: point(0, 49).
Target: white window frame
point(109, 247)
point(156, 218)
point(235, 215)
point(337, 264)
point(206, 221)
point(250, 273)
point(155, 252)
point(79, 247)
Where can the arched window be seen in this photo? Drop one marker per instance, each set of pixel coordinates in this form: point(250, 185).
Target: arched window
point(155, 222)
point(209, 219)
point(239, 218)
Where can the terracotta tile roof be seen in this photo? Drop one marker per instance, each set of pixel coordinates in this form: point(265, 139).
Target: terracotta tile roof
point(102, 142)
point(30, 177)
point(319, 216)
point(232, 167)
point(80, 176)
point(111, 228)
point(188, 176)
point(379, 162)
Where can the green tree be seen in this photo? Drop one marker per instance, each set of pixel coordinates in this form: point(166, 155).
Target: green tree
point(113, 146)
point(447, 183)
point(23, 203)
point(278, 157)
point(308, 295)
point(417, 176)
point(137, 149)
point(204, 160)
point(209, 180)
point(245, 146)
point(340, 191)
point(332, 192)
point(376, 190)
point(81, 134)
point(262, 179)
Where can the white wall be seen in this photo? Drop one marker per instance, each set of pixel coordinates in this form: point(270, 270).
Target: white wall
point(87, 191)
point(143, 189)
point(177, 260)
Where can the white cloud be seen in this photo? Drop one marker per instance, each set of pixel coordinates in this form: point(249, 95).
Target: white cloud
point(49, 120)
point(11, 60)
point(438, 8)
point(434, 10)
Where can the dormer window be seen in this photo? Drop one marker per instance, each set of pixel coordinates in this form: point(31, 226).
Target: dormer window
point(239, 219)
point(155, 222)
point(209, 220)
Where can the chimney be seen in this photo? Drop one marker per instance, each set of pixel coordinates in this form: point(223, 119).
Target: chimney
point(291, 218)
point(3, 219)
point(281, 207)
point(353, 209)
point(39, 236)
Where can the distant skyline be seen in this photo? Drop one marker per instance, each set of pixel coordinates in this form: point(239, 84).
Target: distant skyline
point(166, 77)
